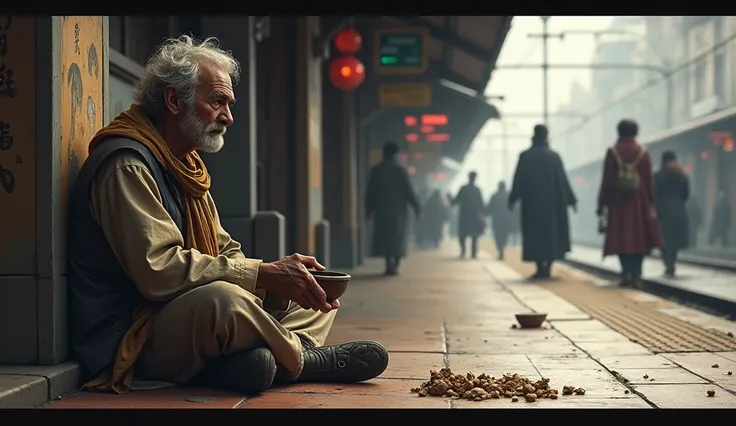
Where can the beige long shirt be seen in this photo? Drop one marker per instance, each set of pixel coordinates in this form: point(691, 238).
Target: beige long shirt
point(127, 204)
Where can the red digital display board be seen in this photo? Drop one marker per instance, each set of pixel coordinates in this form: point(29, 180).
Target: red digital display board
point(430, 128)
point(438, 137)
point(434, 120)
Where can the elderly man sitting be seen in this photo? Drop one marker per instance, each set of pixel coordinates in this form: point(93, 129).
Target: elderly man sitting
point(158, 289)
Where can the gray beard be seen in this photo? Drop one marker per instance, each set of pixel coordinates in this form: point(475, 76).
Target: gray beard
point(207, 138)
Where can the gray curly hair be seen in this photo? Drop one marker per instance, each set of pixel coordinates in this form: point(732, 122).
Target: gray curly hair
point(176, 63)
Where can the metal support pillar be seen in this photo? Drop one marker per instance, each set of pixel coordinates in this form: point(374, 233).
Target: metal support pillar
point(545, 66)
point(308, 126)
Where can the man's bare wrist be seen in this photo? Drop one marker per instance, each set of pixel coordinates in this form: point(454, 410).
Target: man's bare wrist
point(264, 276)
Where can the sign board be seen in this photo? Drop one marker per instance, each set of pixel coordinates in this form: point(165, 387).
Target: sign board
point(392, 95)
point(18, 146)
point(402, 50)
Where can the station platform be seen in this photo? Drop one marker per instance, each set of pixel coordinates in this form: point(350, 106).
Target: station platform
point(444, 312)
point(711, 253)
point(704, 255)
point(709, 287)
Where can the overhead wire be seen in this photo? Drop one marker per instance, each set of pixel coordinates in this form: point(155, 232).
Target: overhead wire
point(533, 47)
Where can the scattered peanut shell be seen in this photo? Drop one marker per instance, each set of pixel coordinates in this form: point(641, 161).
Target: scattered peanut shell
point(445, 383)
point(514, 399)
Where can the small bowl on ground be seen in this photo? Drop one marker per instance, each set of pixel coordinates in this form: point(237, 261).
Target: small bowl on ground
point(534, 320)
point(332, 282)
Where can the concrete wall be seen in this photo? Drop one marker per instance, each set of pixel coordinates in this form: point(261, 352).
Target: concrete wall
point(233, 169)
point(277, 114)
point(60, 101)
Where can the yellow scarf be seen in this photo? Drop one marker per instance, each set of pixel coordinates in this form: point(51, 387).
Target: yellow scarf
point(201, 234)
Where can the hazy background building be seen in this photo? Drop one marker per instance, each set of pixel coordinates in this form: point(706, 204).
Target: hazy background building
point(669, 73)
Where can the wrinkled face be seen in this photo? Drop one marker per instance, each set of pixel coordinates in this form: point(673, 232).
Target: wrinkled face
point(205, 122)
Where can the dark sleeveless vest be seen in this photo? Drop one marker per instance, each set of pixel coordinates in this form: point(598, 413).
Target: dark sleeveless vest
point(102, 298)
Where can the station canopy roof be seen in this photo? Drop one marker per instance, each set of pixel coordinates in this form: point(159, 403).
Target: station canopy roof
point(463, 51)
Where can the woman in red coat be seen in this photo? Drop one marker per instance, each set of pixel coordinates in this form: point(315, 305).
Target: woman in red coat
point(628, 200)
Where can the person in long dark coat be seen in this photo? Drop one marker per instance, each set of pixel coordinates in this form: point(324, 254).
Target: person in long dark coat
point(388, 196)
point(471, 218)
point(632, 229)
point(434, 216)
point(672, 191)
point(502, 219)
point(541, 184)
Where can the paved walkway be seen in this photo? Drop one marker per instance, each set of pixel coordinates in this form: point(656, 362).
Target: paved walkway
point(712, 282)
point(445, 312)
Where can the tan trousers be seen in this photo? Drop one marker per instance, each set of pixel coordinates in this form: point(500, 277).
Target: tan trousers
point(219, 319)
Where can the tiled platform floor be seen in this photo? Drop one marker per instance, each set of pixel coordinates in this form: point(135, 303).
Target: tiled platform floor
point(442, 311)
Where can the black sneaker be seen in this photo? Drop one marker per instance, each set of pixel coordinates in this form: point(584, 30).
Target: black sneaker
point(251, 371)
point(350, 362)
